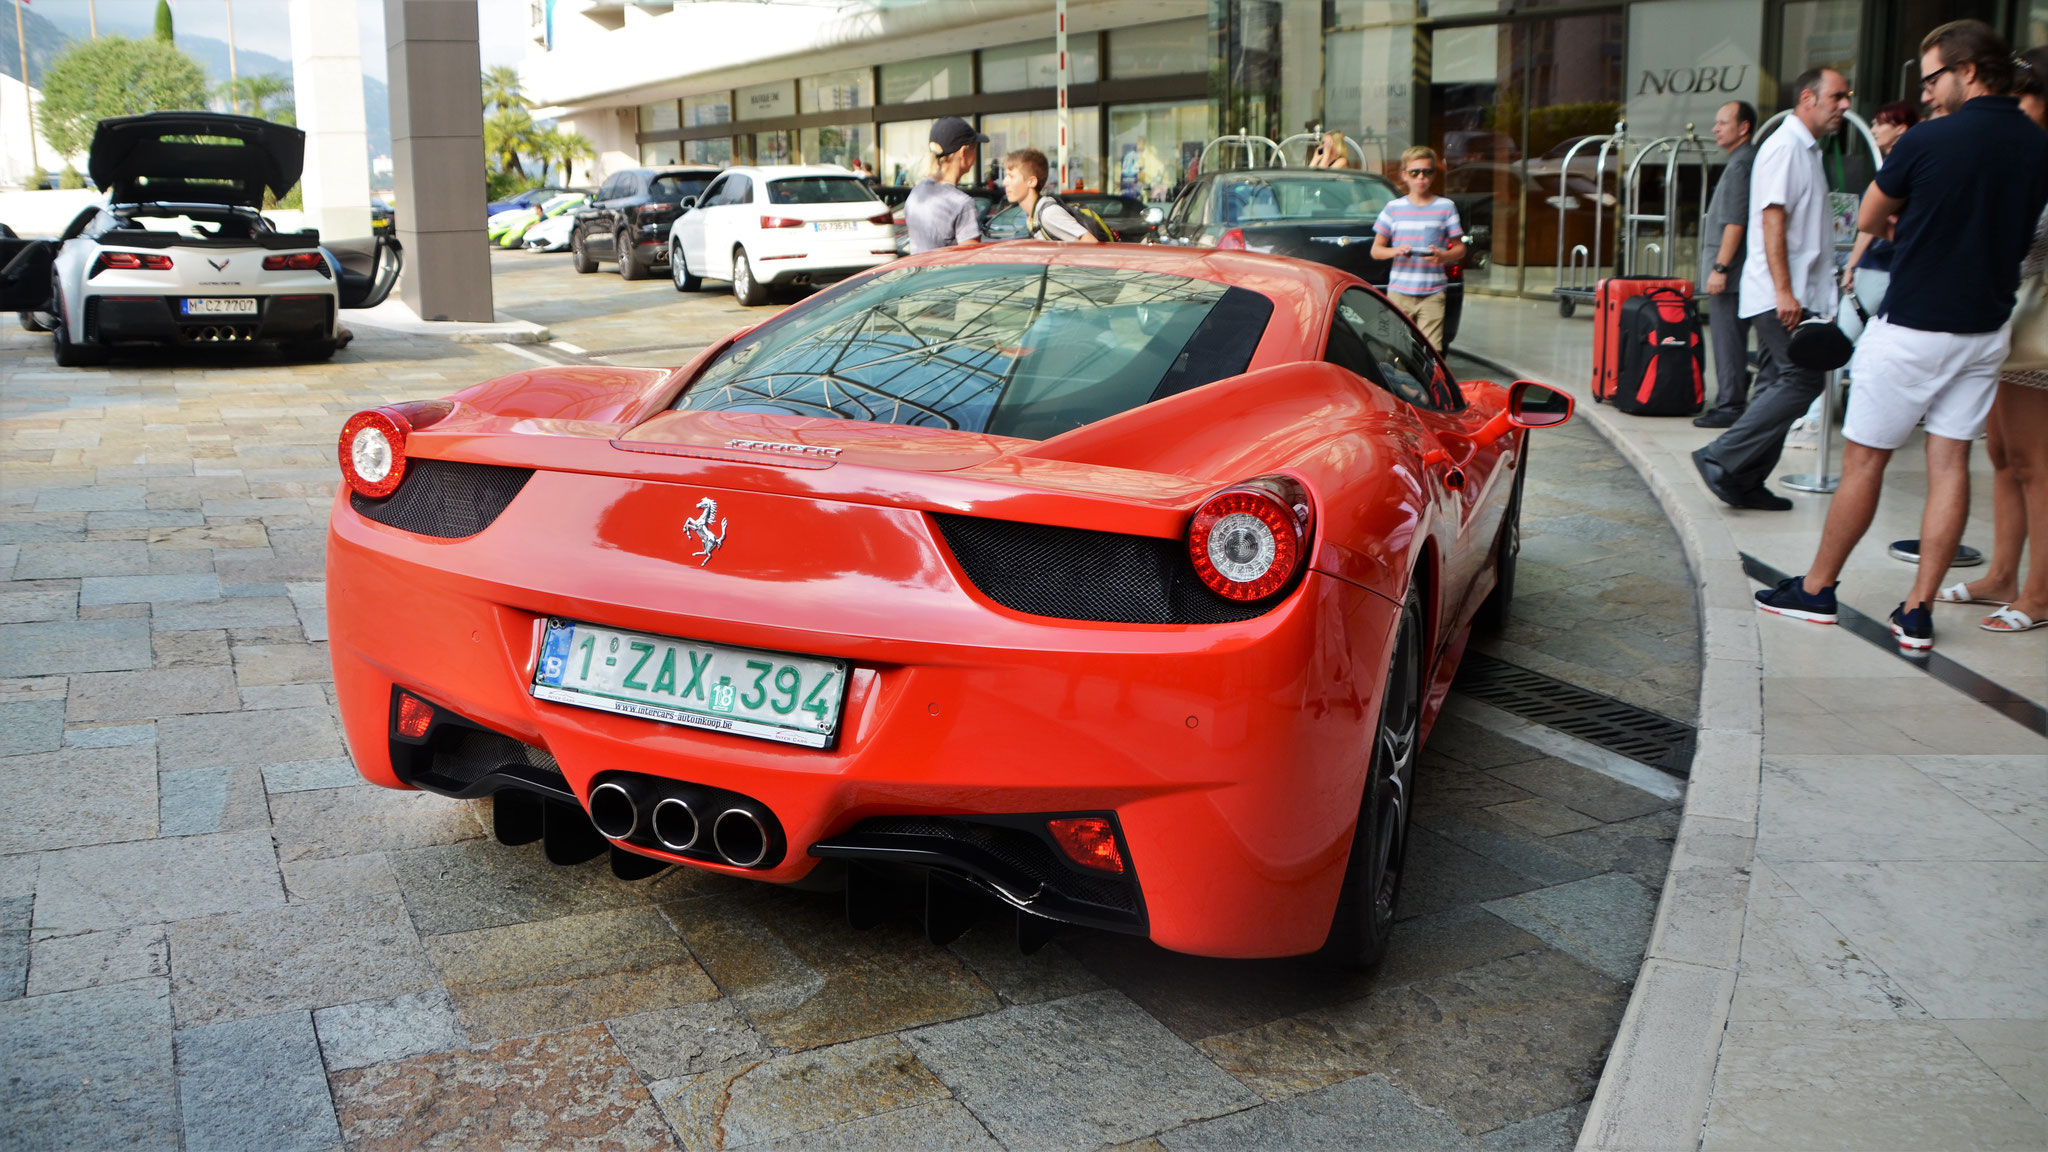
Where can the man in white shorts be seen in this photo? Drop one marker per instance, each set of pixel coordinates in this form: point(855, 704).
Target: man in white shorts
point(1959, 197)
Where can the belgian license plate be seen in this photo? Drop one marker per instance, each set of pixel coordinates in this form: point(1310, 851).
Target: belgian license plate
point(832, 226)
point(219, 305)
point(768, 695)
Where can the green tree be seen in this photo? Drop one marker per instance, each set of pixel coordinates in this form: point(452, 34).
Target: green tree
point(114, 76)
point(70, 177)
point(554, 146)
point(507, 133)
point(163, 21)
point(267, 97)
point(502, 89)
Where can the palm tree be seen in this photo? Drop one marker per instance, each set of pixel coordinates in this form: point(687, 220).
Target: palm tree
point(508, 132)
point(502, 88)
point(554, 146)
point(268, 97)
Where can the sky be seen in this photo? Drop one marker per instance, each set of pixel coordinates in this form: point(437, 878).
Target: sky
point(264, 25)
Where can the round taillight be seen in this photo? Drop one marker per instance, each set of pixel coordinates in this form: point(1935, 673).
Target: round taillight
point(1247, 543)
point(372, 452)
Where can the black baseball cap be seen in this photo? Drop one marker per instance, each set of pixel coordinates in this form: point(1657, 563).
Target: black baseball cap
point(952, 134)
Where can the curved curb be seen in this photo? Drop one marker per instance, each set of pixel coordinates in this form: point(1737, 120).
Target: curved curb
point(1660, 1074)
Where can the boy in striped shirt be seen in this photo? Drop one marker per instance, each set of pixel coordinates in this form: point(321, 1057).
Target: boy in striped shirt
point(1420, 233)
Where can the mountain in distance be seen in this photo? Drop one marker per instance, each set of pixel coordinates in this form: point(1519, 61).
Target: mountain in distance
point(45, 41)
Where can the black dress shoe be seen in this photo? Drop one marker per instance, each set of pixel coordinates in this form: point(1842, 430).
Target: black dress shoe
point(1716, 482)
point(1765, 500)
point(1716, 418)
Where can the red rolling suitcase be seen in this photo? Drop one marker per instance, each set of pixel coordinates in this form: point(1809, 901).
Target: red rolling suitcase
point(1608, 297)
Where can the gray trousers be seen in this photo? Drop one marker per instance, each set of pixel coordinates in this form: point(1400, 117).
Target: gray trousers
point(1730, 334)
point(1748, 451)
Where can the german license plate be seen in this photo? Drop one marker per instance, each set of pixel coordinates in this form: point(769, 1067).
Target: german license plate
point(768, 695)
point(832, 226)
point(219, 305)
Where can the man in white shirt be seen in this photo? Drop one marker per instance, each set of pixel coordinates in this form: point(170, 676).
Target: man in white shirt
point(1788, 271)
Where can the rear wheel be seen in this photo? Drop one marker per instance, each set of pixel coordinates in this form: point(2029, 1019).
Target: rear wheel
point(630, 267)
point(679, 271)
point(1498, 607)
point(68, 354)
point(579, 255)
point(1379, 845)
point(745, 288)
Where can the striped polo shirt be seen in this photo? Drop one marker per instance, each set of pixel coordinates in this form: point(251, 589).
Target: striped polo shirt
point(1431, 225)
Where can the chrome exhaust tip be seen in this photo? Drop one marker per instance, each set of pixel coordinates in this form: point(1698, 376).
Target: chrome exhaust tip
point(740, 838)
point(614, 810)
point(675, 825)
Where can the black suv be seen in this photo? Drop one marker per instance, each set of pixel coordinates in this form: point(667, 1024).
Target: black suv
point(629, 219)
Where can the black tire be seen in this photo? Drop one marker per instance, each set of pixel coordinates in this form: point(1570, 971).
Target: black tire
point(745, 288)
point(1498, 607)
point(1364, 919)
point(679, 271)
point(578, 256)
point(630, 267)
point(1566, 306)
point(67, 354)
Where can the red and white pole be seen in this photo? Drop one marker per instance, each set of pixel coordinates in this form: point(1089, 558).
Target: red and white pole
point(1060, 46)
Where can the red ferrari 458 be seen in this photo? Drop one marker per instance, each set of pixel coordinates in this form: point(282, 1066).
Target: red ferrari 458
point(1119, 584)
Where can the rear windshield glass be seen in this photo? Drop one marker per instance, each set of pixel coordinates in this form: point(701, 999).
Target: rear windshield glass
point(1254, 198)
point(1024, 350)
point(819, 190)
point(674, 188)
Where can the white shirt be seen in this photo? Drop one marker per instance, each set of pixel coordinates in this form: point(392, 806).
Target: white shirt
point(1787, 173)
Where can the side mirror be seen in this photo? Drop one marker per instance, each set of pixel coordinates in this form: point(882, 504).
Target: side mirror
point(1533, 405)
point(1155, 215)
point(688, 203)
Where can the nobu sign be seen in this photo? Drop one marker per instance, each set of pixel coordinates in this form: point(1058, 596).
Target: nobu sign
point(1732, 79)
point(1686, 58)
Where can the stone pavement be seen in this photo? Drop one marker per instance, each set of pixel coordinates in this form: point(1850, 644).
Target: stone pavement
point(1848, 948)
point(213, 933)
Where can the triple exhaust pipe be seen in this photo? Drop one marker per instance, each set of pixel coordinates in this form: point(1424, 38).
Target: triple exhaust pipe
point(225, 333)
point(741, 833)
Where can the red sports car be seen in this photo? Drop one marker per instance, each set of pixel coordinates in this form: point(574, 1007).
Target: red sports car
point(1121, 584)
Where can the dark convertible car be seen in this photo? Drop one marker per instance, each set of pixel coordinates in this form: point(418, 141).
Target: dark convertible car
point(1315, 214)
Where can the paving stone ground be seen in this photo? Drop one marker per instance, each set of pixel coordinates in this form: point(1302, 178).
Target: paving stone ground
point(212, 933)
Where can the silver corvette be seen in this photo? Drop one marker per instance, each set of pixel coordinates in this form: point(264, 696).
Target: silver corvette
point(181, 255)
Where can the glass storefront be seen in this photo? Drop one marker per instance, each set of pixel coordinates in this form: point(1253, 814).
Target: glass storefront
point(1168, 49)
point(710, 108)
point(661, 152)
point(838, 91)
point(660, 117)
point(932, 78)
point(765, 101)
point(904, 152)
point(1037, 65)
point(771, 148)
point(1155, 148)
point(1010, 131)
point(838, 144)
point(718, 151)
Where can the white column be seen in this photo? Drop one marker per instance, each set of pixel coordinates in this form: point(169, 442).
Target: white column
point(327, 83)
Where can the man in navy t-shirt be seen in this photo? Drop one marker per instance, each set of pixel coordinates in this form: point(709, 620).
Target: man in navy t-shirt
point(1959, 197)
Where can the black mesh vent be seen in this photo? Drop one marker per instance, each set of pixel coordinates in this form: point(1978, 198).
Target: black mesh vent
point(445, 498)
point(466, 755)
point(1022, 851)
point(1077, 574)
point(92, 320)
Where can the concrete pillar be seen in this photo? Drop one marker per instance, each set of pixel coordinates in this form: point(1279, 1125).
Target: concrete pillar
point(327, 87)
point(437, 152)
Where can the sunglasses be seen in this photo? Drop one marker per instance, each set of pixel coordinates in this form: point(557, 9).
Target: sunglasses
point(1422, 171)
point(1928, 80)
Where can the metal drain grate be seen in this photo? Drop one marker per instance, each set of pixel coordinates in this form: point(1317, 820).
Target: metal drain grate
point(1624, 729)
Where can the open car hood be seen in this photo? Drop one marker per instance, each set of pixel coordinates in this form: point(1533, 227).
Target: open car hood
point(194, 158)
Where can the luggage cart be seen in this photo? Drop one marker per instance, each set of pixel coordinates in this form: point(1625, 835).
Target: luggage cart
point(1578, 275)
point(1632, 259)
point(1258, 152)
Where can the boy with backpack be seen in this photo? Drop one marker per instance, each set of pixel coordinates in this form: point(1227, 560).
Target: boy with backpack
point(1024, 175)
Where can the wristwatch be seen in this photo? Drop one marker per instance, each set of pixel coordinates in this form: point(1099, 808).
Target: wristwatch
point(1721, 268)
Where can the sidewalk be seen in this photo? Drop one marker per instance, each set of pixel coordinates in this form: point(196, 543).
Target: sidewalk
point(1847, 950)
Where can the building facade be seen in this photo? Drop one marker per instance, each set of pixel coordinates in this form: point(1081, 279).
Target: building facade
point(1500, 88)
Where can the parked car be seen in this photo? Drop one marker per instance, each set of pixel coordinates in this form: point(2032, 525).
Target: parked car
point(784, 224)
point(1115, 584)
point(180, 255)
point(1126, 217)
point(1319, 214)
point(529, 198)
point(629, 217)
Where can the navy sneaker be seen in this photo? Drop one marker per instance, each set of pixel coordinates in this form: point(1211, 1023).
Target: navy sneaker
point(1789, 598)
point(1915, 629)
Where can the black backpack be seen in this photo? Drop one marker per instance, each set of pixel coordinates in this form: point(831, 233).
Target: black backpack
point(1660, 369)
point(1089, 220)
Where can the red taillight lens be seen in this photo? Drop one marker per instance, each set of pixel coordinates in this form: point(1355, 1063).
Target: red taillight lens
point(415, 716)
point(1454, 272)
point(1090, 841)
point(1233, 240)
point(295, 262)
point(882, 218)
point(144, 261)
point(372, 452)
point(1248, 542)
point(780, 222)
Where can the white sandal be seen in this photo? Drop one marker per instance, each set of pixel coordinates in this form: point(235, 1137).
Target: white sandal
point(2011, 619)
point(1959, 593)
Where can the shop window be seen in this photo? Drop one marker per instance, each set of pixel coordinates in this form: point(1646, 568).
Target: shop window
point(1174, 48)
point(932, 78)
point(717, 151)
point(839, 144)
point(904, 152)
point(661, 152)
point(1155, 148)
point(1817, 34)
point(1037, 65)
point(1010, 131)
point(710, 108)
point(765, 101)
point(773, 148)
point(838, 91)
point(660, 117)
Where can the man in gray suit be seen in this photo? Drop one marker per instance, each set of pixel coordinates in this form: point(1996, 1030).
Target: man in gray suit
point(1721, 250)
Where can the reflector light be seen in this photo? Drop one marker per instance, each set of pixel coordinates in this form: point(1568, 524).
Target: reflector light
point(780, 222)
point(372, 452)
point(415, 716)
point(1232, 240)
point(1246, 542)
point(1090, 841)
point(295, 262)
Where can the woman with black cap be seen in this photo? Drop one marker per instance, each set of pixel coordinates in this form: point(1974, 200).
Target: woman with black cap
point(938, 214)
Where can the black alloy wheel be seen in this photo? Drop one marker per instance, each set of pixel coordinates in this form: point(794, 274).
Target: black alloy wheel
point(579, 255)
point(745, 288)
point(1364, 919)
point(679, 270)
point(1498, 607)
point(630, 267)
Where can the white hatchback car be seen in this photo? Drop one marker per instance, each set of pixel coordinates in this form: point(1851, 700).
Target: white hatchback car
point(779, 224)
